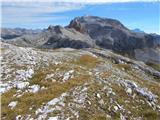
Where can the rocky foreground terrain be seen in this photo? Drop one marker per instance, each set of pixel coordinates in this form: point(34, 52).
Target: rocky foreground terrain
point(69, 84)
point(66, 73)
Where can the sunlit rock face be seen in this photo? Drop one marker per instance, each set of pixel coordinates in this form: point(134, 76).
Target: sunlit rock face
point(112, 34)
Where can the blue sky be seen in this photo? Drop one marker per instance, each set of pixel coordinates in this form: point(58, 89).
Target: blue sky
point(143, 14)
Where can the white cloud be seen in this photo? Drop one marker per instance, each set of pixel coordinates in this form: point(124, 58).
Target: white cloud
point(42, 11)
point(25, 8)
point(34, 12)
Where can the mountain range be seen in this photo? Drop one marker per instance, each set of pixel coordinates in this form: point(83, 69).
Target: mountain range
point(10, 33)
point(90, 31)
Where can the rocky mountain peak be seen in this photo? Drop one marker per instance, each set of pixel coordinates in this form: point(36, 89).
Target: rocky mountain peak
point(79, 23)
point(57, 29)
point(76, 24)
point(50, 27)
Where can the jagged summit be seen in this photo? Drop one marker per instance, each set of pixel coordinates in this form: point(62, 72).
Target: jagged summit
point(96, 20)
point(57, 29)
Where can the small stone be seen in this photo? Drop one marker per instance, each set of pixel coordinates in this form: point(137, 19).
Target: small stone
point(67, 75)
point(134, 95)
point(108, 116)
point(126, 101)
point(123, 69)
point(12, 104)
point(49, 76)
point(89, 102)
point(158, 107)
point(98, 95)
point(22, 85)
point(34, 88)
point(19, 117)
point(101, 102)
point(30, 108)
point(129, 91)
point(57, 63)
point(119, 106)
point(90, 73)
point(53, 80)
point(43, 88)
point(18, 96)
point(122, 117)
point(129, 112)
point(38, 111)
point(53, 118)
point(115, 108)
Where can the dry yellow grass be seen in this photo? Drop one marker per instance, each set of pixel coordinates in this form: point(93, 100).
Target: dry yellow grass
point(54, 89)
point(88, 61)
point(126, 67)
point(2, 50)
point(105, 74)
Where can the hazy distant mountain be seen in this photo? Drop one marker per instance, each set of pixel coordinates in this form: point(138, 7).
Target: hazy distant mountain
point(9, 33)
point(138, 30)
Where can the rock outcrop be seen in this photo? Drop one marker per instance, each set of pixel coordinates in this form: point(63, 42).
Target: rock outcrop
point(55, 37)
point(111, 34)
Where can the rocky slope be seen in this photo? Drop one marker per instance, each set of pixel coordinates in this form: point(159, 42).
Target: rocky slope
point(76, 84)
point(54, 37)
